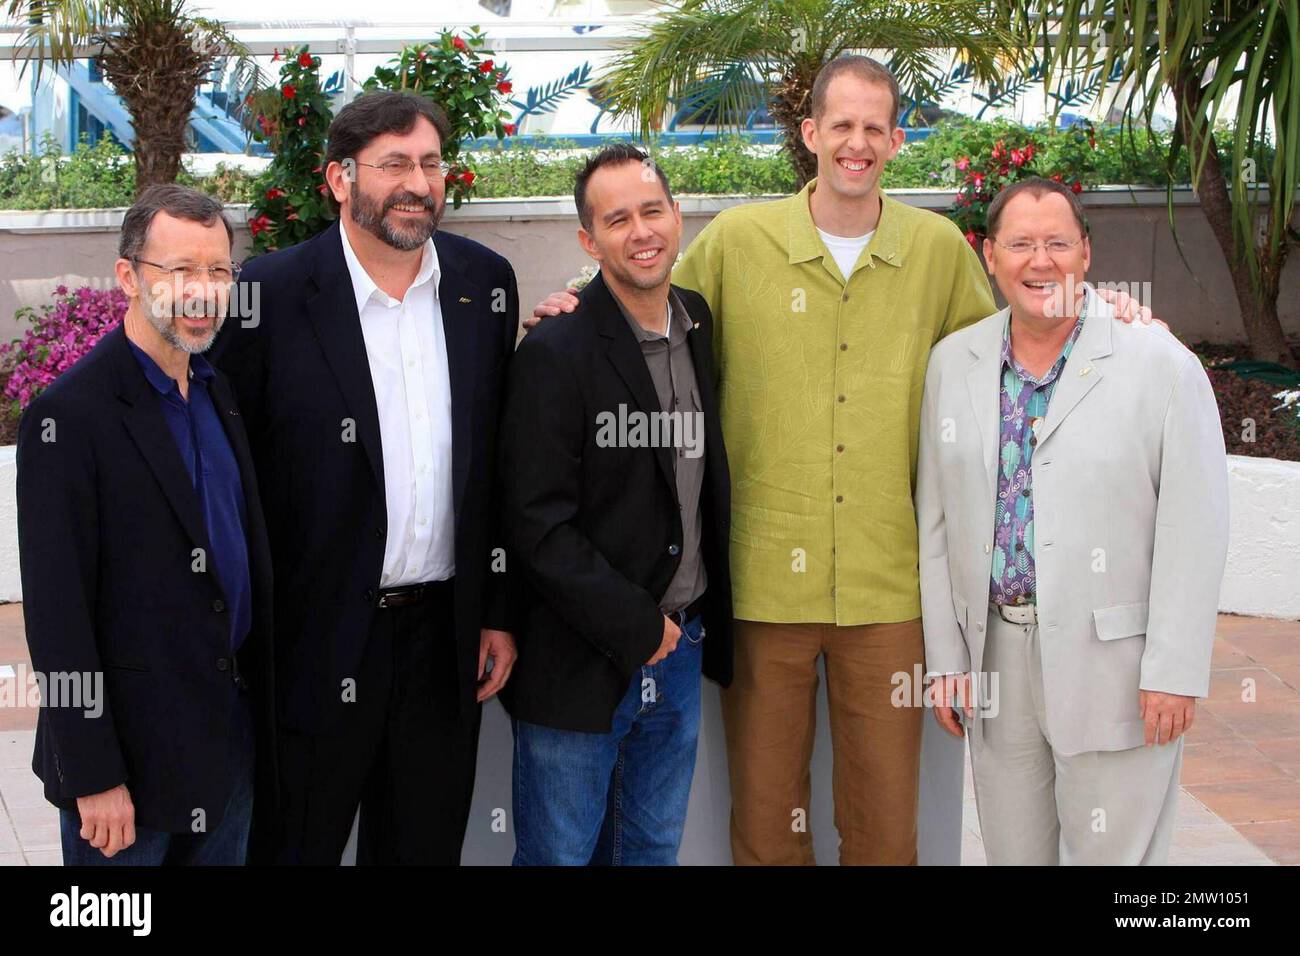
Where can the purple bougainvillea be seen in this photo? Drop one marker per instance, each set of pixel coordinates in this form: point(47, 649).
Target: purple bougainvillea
point(60, 334)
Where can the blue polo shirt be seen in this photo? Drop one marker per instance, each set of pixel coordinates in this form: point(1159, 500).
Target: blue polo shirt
point(214, 472)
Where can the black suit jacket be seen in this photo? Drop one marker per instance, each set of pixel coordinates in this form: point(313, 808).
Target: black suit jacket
point(300, 368)
point(596, 529)
point(108, 521)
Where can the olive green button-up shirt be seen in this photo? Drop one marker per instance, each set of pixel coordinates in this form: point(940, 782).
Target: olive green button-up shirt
point(820, 383)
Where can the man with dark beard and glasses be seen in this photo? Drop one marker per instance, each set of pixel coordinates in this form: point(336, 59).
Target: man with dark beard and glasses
point(369, 380)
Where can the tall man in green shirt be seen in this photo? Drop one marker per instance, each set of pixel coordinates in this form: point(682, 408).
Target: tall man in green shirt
point(827, 304)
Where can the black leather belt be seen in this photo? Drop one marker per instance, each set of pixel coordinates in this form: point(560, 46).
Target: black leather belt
point(409, 595)
point(692, 610)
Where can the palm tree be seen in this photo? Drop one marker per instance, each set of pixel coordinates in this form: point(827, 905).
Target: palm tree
point(1202, 54)
point(155, 53)
point(722, 57)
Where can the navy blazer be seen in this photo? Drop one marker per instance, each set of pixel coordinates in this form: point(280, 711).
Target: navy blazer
point(303, 380)
point(108, 524)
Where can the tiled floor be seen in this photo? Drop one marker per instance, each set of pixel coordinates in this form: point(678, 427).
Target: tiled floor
point(1240, 800)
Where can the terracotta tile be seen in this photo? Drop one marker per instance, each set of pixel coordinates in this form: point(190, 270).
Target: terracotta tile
point(1280, 840)
point(1192, 813)
point(1226, 654)
point(1284, 751)
point(1226, 761)
point(1246, 687)
point(17, 718)
point(1208, 727)
point(1288, 674)
point(1251, 801)
point(1262, 719)
point(1271, 646)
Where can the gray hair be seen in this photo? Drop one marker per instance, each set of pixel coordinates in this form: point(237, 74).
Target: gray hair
point(179, 201)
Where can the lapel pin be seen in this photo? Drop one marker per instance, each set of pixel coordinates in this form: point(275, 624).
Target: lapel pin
point(697, 325)
point(1086, 370)
point(464, 300)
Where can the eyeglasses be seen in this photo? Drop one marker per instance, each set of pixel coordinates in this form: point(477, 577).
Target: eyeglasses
point(1054, 247)
point(398, 169)
point(221, 272)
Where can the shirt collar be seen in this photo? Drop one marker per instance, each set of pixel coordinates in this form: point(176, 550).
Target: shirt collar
point(163, 383)
point(364, 287)
point(1009, 361)
point(805, 244)
point(676, 312)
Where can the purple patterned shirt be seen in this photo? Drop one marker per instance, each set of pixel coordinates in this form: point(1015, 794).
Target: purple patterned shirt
point(1024, 401)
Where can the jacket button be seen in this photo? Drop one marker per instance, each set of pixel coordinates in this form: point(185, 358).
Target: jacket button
point(218, 605)
point(368, 596)
point(674, 550)
point(223, 663)
point(379, 532)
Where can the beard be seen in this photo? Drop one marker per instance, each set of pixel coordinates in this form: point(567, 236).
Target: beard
point(372, 216)
point(163, 318)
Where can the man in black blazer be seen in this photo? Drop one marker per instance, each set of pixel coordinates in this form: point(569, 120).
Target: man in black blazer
point(617, 507)
point(146, 569)
point(371, 387)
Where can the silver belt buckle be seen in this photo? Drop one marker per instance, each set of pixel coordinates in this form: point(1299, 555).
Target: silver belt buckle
point(1018, 613)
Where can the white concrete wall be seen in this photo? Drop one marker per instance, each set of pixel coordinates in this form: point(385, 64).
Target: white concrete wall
point(1263, 574)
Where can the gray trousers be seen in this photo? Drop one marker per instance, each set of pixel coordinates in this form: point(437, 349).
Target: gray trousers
point(1038, 806)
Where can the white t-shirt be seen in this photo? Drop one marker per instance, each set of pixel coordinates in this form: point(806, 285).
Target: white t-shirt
point(845, 250)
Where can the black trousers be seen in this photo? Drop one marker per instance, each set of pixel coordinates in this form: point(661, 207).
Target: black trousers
point(406, 758)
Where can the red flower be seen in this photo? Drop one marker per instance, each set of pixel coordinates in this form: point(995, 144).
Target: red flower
point(1076, 187)
point(1017, 158)
point(305, 60)
point(509, 129)
point(1057, 177)
point(450, 180)
point(972, 238)
point(998, 150)
point(458, 43)
point(302, 121)
point(505, 86)
point(289, 91)
point(467, 178)
point(485, 66)
point(963, 163)
point(291, 217)
point(979, 180)
point(277, 55)
point(260, 224)
point(1029, 152)
point(322, 189)
point(275, 192)
point(1004, 169)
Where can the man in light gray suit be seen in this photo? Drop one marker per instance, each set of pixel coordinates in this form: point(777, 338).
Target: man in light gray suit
point(1072, 503)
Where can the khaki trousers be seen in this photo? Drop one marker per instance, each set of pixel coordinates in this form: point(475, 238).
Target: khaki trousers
point(769, 713)
point(1040, 807)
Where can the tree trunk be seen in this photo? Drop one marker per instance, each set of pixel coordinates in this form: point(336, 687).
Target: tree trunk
point(1257, 298)
point(790, 104)
point(155, 70)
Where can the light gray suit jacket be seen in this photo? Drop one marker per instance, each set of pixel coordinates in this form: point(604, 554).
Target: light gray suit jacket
point(1130, 520)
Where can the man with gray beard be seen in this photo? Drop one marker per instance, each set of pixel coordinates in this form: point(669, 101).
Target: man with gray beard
point(145, 563)
point(370, 382)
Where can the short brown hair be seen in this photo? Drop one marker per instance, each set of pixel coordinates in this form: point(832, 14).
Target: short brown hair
point(179, 201)
point(1036, 186)
point(864, 68)
point(370, 116)
point(614, 154)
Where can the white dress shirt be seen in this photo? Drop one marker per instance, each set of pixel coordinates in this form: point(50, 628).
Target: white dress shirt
point(407, 352)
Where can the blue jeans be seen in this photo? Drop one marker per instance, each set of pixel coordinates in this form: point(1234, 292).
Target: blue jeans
point(225, 845)
point(619, 798)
